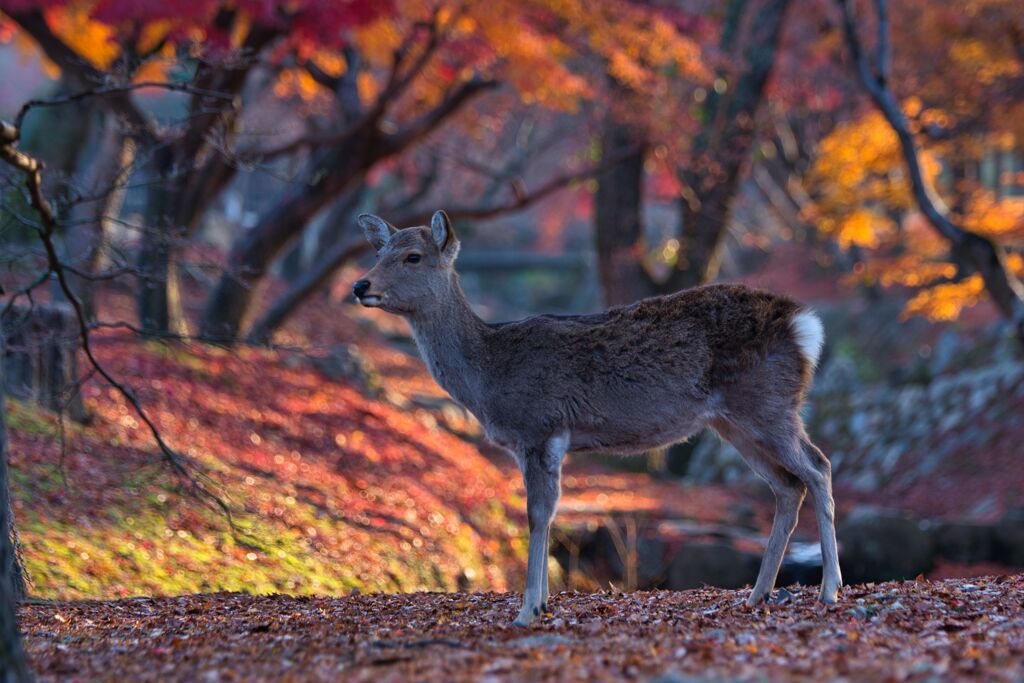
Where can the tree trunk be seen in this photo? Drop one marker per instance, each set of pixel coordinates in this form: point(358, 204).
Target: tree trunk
point(13, 667)
point(174, 212)
point(723, 146)
point(309, 282)
point(703, 225)
point(178, 200)
point(253, 253)
point(104, 172)
point(336, 244)
point(618, 217)
point(159, 298)
point(710, 180)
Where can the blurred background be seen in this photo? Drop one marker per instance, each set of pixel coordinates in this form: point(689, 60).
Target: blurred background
point(206, 162)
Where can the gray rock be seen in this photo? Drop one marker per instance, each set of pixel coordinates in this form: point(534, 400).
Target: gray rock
point(879, 545)
point(944, 352)
point(866, 481)
point(650, 552)
point(712, 563)
point(1008, 539)
point(965, 541)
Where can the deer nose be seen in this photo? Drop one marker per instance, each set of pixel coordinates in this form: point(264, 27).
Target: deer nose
point(360, 288)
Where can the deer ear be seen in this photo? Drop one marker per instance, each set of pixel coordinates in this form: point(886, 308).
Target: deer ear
point(443, 234)
point(377, 230)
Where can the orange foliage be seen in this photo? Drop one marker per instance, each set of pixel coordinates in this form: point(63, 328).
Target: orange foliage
point(92, 39)
point(959, 71)
point(541, 48)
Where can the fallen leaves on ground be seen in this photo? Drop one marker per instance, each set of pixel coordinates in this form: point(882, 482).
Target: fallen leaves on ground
point(910, 631)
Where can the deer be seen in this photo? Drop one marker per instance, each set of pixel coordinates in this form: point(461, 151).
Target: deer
point(626, 380)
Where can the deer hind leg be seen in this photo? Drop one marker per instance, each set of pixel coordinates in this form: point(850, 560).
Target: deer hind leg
point(542, 467)
point(789, 496)
point(814, 469)
point(807, 463)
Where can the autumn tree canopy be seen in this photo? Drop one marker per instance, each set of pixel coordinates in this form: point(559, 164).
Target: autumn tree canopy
point(373, 80)
point(961, 90)
point(685, 102)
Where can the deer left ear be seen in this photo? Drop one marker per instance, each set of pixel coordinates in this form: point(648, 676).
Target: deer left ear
point(377, 230)
point(443, 234)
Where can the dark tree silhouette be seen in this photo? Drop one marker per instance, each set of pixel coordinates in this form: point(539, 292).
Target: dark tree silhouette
point(710, 178)
point(12, 658)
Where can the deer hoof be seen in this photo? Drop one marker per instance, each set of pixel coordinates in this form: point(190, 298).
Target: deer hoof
point(527, 615)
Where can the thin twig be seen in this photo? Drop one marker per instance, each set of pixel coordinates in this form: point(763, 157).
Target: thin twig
point(114, 90)
point(32, 169)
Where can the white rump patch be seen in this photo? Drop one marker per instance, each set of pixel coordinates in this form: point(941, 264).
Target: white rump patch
point(809, 334)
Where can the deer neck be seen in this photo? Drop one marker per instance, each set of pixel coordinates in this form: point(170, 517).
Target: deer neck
point(450, 339)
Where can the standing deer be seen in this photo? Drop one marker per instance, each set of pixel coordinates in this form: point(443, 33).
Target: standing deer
point(625, 381)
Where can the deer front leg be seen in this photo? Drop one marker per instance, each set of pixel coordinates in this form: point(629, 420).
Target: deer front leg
point(542, 469)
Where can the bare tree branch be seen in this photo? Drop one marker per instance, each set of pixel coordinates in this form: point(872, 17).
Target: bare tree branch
point(120, 104)
point(397, 83)
point(107, 90)
point(883, 59)
point(521, 199)
point(426, 123)
point(32, 170)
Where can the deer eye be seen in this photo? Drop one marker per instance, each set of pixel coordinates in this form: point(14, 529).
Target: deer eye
point(412, 258)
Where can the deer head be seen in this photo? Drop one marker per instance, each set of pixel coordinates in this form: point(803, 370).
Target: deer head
point(415, 266)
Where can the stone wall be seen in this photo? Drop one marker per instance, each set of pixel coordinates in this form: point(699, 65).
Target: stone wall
point(874, 433)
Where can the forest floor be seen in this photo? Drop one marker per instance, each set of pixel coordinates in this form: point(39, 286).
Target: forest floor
point(970, 629)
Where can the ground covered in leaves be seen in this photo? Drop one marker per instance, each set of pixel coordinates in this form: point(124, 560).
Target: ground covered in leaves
point(914, 631)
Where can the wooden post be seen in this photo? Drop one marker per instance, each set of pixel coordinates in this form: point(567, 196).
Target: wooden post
point(41, 357)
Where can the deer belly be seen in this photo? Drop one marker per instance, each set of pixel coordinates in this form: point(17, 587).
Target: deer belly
point(631, 437)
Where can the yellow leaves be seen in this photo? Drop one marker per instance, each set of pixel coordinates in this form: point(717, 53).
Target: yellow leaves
point(861, 228)
point(861, 188)
point(913, 273)
point(156, 68)
point(626, 70)
point(240, 29)
point(667, 46)
point(946, 301)
point(856, 151)
point(983, 59)
point(152, 33)
point(378, 41)
point(91, 39)
point(367, 86)
point(298, 83)
point(997, 218)
point(331, 63)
